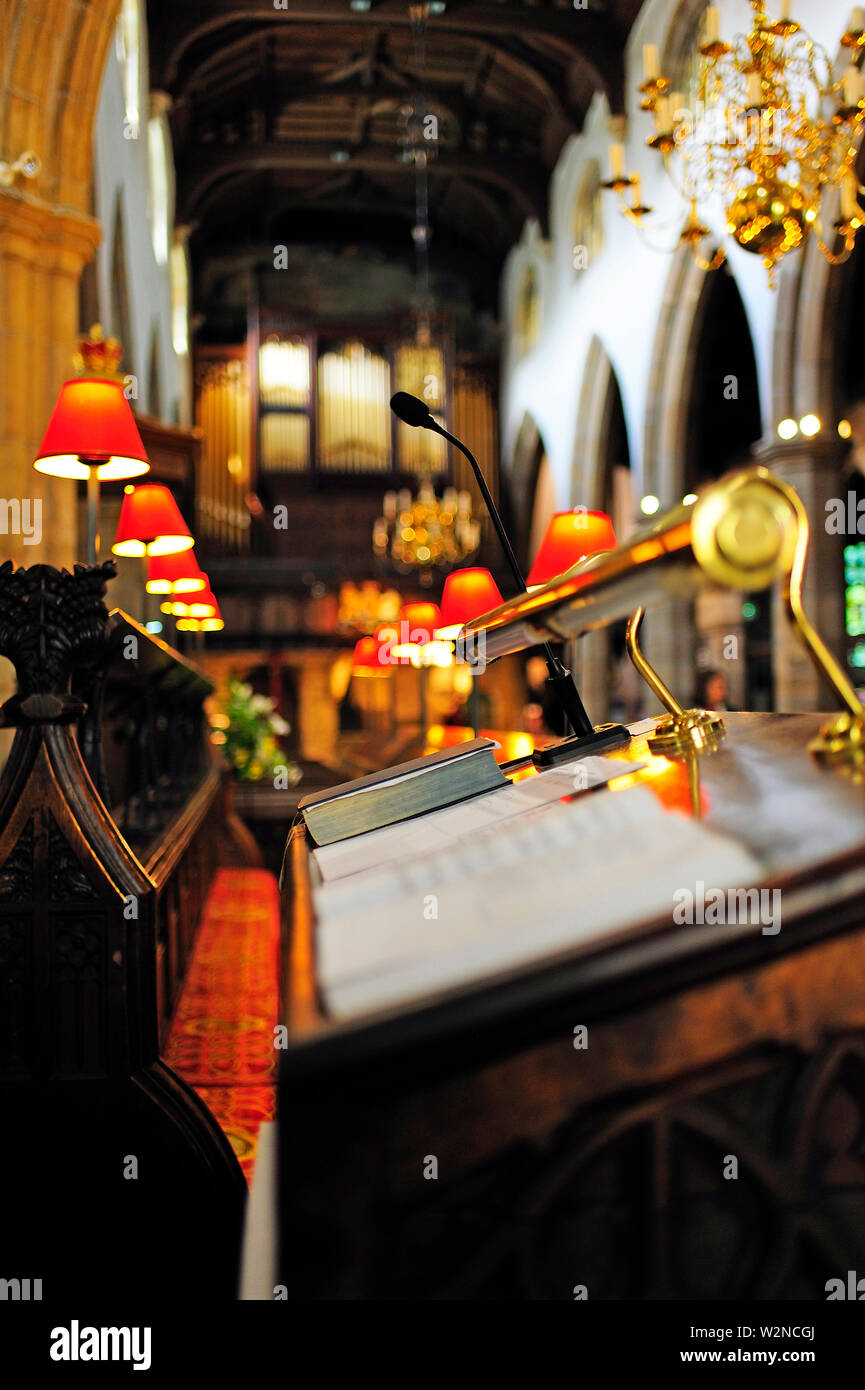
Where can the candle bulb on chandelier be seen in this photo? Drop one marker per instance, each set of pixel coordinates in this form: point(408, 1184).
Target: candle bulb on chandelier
point(635, 181)
point(785, 10)
point(753, 91)
point(712, 24)
point(854, 86)
point(857, 20)
point(617, 161)
point(662, 114)
point(849, 192)
point(650, 61)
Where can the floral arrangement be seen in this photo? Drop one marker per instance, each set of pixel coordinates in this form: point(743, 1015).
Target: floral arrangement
point(247, 728)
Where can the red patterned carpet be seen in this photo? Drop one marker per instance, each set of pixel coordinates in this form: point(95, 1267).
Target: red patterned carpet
point(221, 1036)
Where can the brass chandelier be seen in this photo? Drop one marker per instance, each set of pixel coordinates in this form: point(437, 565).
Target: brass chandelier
point(770, 131)
point(421, 533)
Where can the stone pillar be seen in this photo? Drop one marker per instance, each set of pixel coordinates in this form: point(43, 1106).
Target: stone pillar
point(43, 250)
point(318, 718)
point(815, 471)
point(721, 636)
point(669, 641)
point(590, 664)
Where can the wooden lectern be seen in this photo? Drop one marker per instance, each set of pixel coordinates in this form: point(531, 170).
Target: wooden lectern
point(675, 1111)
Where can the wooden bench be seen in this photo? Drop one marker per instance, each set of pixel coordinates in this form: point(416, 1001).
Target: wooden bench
point(111, 817)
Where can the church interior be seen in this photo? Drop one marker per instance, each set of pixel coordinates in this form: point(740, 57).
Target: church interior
point(432, 650)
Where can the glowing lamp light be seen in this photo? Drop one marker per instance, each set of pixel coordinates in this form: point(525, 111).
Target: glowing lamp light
point(569, 538)
point(787, 429)
point(809, 425)
point(150, 523)
point(649, 505)
point(689, 499)
point(845, 429)
point(212, 624)
point(418, 624)
point(367, 658)
point(467, 594)
point(178, 573)
point(92, 428)
point(199, 605)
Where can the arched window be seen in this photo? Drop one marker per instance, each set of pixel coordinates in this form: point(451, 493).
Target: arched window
point(528, 311)
point(179, 299)
point(157, 157)
point(587, 224)
point(127, 44)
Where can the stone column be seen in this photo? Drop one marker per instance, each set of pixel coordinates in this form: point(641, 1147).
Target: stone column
point(721, 635)
point(590, 664)
point(43, 250)
point(318, 717)
point(814, 470)
point(669, 641)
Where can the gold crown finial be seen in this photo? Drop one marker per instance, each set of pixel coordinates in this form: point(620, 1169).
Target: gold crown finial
point(98, 355)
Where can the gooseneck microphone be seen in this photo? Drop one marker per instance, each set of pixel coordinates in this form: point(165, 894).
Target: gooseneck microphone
point(588, 739)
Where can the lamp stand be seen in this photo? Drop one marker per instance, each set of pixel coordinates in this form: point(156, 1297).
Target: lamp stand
point(475, 706)
point(586, 737)
point(92, 516)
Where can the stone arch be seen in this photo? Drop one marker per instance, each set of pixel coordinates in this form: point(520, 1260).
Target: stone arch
point(523, 475)
point(120, 308)
point(590, 437)
point(52, 58)
point(671, 378)
point(154, 391)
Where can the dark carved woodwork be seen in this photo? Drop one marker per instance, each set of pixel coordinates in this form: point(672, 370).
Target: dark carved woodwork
point(81, 1082)
point(604, 1169)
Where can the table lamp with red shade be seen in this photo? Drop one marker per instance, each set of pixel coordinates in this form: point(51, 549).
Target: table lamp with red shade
point(92, 432)
point(150, 523)
point(468, 594)
point(570, 537)
point(587, 738)
point(201, 604)
point(178, 573)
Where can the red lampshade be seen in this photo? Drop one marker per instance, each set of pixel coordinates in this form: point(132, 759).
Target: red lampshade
point(92, 426)
point(178, 573)
point(214, 623)
point(150, 523)
point(467, 594)
point(421, 618)
point(198, 605)
point(570, 537)
point(367, 659)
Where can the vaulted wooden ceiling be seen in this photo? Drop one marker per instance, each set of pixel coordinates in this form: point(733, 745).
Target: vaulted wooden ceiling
point(299, 116)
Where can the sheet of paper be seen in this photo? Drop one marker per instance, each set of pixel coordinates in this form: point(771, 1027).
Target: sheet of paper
point(439, 829)
point(552, 883)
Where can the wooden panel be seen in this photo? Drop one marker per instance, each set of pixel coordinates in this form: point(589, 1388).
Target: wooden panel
point(560, 1165)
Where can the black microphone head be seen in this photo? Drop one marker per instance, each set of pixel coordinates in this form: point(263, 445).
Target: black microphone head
point(410, 409)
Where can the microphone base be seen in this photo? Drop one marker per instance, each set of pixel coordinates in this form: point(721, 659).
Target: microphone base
point(601, 738)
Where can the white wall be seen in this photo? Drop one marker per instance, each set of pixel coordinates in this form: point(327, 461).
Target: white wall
point(618, 297)
point(121, 170)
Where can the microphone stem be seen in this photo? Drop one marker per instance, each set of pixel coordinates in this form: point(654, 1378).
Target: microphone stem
point(559, 677)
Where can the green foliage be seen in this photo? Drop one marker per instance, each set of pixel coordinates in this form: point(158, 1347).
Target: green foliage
point(247, 728)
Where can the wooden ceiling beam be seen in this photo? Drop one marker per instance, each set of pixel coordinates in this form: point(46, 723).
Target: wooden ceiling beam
point(590, 34)
point(207, 165)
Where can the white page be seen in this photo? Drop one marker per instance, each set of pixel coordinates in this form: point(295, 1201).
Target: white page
point(553, 883)
point(442, 828)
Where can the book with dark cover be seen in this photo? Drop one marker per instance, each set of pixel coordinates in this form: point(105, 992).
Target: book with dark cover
point(396, 793)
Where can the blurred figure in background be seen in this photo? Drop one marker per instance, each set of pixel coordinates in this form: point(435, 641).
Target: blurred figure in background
point(712, 692)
